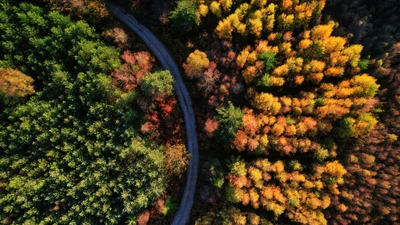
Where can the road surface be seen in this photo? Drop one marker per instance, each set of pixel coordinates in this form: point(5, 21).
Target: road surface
point(182, 216)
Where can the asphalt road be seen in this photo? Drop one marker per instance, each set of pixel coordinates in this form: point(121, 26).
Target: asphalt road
point(182, 216)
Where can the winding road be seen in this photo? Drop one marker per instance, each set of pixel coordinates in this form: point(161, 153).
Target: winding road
point(182, 216)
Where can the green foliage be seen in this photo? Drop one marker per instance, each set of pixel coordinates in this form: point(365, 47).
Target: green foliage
point(294, 202)
point(159, 83)
point(217, 173)
point(321, 154)
point(71, 153)
point(346, 127)
point(238, 167)
point(265, 80)
point(269, 59)
point(170, 206)
point(319, 102)
point(363, 64)
point(184, 15)
point(229, 119)
point(233, 194)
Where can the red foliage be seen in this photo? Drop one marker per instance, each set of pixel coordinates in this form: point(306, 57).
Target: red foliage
point(130, 74)
point(143, 218)
point(210, 127)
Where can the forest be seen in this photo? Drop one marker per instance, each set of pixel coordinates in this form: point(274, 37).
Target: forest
point(296, 102)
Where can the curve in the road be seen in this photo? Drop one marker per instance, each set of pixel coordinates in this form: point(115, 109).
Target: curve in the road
point(183, 213)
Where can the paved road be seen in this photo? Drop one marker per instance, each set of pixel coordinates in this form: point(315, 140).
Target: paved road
point(182, 216)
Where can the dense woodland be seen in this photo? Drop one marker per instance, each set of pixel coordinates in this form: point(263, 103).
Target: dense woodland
point(91, 133)
point(297, 105)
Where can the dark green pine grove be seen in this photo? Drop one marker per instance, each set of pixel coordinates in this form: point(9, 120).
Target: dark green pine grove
point(71, 150)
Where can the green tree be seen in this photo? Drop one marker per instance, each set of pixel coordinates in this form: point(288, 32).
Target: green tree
point(269, 60)
point(229, 119)
point(71, 154)
point(184, 15)
point(158, 84)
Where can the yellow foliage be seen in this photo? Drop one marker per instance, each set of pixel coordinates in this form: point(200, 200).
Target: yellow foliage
point(335, 169)
point(203, 10)
point(319, 185)
point(275, 208)
point(341, 208)
point(344, 92)
point(364, 124)
point(276, 81)
point(255, 26)
point(252, 57)
point(277, 167)
point(290, 130)
point(285, 47)
point(391, 138)
point(267, 102)
point(353, 52)
point(269, 25)
point(282, 70)
point(316, 66)
point(13, 83)
point(294, 64)
point(226, 4)
point(301, 128)
point(338, 59)
point(255, 174)
point(264, 140)
point(278, 129)
point(215, 8)
point(241, 28)
point(326, 201)
point(250, 73)
point(299, 79)
point(316, 77)
point(334, 71)
point(306, 34)
point(322, 32)
point(287, 4)
point(254, 196)
point(365, 85)
point(224, 29)
point(195, 63)
point(259, 3)
point(313, 202)
point(242, 57)
point(334, 189)
point(287, 20)
point(262, 46)
point(334, 44)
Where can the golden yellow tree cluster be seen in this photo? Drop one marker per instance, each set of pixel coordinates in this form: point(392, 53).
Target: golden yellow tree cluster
point(299, 195)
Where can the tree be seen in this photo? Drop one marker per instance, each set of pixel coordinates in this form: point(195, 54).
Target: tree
point(72, 152)
point(184, 15)
point(269, 60)
point(195, 64)
point(176, 158)
point(158, 84)
point(14, 84)
point(229, 119)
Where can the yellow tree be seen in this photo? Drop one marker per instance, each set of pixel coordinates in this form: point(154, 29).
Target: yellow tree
point(196, 63)
point(15, 84)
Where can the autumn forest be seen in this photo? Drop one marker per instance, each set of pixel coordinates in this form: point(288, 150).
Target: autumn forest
point(296, 110)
